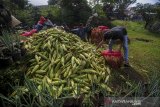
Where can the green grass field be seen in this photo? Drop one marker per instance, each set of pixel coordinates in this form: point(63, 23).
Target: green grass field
point(142, 54)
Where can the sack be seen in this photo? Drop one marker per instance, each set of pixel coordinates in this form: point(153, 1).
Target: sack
point(27, 34)
point(30, 33)
point(96, 36)
point(33, 30)
point(15, 21)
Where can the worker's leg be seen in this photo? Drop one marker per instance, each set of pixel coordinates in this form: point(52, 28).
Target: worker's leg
point(82, 34)
point(110, 44)
point(125, 48)
point(39, 27)
point(88, 33)
point(85, 37)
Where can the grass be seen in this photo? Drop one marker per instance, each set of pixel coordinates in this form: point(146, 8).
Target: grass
point(142, 55)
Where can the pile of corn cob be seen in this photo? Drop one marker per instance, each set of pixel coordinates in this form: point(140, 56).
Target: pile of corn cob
point(62, 63)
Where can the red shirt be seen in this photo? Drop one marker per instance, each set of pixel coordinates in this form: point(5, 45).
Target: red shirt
point(42, 20)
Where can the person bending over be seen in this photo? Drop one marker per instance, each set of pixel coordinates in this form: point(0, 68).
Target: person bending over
point(116, 33)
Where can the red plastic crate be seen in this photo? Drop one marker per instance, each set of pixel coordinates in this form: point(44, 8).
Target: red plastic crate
point(113, 58)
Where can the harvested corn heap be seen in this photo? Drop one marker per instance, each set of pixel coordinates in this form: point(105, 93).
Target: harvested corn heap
point(63, 63)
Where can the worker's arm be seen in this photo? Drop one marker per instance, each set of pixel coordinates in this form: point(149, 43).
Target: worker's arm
point(100, 44)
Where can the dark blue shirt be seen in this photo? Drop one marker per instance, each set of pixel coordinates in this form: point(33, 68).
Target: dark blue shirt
point(115, 33)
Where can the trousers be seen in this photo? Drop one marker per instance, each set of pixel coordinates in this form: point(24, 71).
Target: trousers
point(125, 47)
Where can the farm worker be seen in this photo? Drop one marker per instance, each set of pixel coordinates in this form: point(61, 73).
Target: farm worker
point(43, 22)
point(40, 23)
point(116, 33)
point(66, 28)
point(91, 23)
point(84, 32)
point(80, 31)
point(48, 23)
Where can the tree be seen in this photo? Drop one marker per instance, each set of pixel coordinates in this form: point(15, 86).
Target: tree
point(35, 13)
point(108, 9)
point(93, 3)
point(54, 13)
point(72, 11)
point(157, 9)
point(53, 2)
point(75, 11)
point(148, 12)
point(14, 5)
point(20, 3)
point(116, 5)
